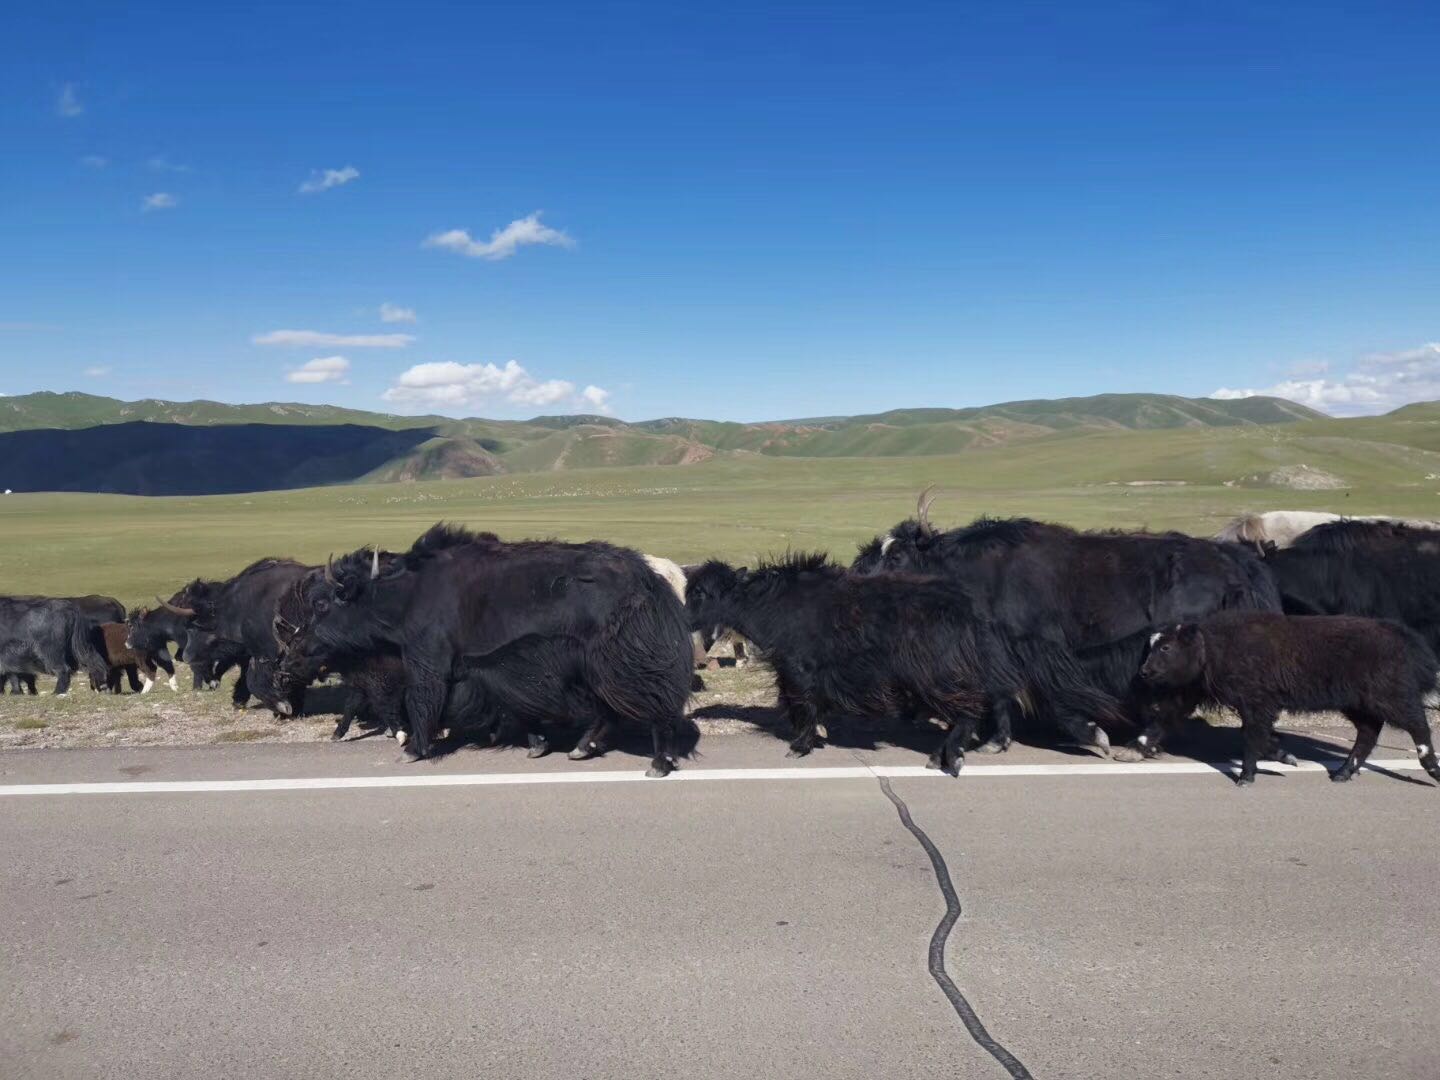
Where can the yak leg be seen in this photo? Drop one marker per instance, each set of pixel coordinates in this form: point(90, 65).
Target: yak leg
point(1277, 751)
point(1418, 726)
point(804, 726)
point(1258, 731)
point(1367, 730)
point(663, 734)
point(132, 673)
point(28, 682)
point(1003, 710)
point(62, 681)
point(425, 693)
point(240, 696)
point(347, 716)
point(596, 739)
point(949, 756)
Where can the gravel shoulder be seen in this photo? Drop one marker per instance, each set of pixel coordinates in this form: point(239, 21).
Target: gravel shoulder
point(733, 700)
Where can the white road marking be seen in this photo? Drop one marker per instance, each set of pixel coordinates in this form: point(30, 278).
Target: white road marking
point(617, 776)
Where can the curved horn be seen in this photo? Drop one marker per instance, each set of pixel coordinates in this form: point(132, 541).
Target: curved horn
point(375, 562)
point(922, 510)
point(330, 569)
point(188, 613)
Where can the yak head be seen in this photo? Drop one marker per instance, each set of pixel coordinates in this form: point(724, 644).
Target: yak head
point(1176, 657)
point(711, 591)
point(343, 608)
point(904, 547)
point(152, 629)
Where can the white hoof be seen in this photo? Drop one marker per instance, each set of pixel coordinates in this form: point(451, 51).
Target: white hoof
point(401, 737)
point(146, 685)
point(172, 684)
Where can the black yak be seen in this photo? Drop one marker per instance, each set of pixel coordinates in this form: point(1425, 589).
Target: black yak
point(1096, 596)
point(1257, 663)
point(1381, 569)
point(47, 636)
point(239, 613)
point(605, 636)
point(887, 645)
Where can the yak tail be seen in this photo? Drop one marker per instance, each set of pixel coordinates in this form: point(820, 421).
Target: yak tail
point(640, 663)
point(1061, 683)
point(87, 645)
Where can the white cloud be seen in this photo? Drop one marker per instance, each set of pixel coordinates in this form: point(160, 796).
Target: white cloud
point(320, 370)
point(448, 385)
point(324, 179)
point(503, 242)
point(597, 398)
point(315, 339)
point(160, 163)
point(96, 371)
point(94, 161)
point(161, 200)
point(68, 103)
point(394, 313)
point(1378, 383)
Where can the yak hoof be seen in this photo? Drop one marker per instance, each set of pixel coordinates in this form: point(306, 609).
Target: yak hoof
point(993, 746)
point(336, 735)
point(1287, 758)
point(1130, 752)
point(797, 752)
point(581, 753)
point(956, 764)
point(660, 767)
point(539, 747)
point(1100, 740)
point(1244, 781)
point(1339, 776)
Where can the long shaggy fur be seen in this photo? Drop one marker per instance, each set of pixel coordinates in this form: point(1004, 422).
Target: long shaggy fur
point(889, 645)
point(547, 627)
point(1094, 597)
point(1375, 672)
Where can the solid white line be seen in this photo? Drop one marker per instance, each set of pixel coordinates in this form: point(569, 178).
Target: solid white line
point(613, 776)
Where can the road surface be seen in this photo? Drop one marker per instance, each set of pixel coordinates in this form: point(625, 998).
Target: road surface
point(327, 911)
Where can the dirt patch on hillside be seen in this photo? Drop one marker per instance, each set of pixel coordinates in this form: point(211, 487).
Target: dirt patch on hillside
point(1293, 477)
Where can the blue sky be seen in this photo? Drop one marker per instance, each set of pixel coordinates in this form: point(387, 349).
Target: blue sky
point(745, 212)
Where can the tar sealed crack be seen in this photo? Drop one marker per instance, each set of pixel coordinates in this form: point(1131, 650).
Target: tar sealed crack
point(967, 1015)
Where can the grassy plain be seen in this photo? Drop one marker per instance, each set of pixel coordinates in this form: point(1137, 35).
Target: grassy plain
point(737, 507)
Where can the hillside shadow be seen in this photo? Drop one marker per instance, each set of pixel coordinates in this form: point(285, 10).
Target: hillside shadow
point(178, 459)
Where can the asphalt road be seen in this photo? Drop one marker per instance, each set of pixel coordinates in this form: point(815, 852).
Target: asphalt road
point(1120, 923)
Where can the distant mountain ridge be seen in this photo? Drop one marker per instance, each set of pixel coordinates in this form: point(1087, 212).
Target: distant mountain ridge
point(83, 442)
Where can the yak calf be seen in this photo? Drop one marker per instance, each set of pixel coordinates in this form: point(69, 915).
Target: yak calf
point(141, 667)
point(1257, 663)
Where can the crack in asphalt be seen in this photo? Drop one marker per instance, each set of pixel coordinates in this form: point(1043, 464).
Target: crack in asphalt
point(936, 960)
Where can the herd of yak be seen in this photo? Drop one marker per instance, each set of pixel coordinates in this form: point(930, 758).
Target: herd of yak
point(978, 631)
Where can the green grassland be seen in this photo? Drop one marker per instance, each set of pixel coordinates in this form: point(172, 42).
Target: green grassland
point(735, 505)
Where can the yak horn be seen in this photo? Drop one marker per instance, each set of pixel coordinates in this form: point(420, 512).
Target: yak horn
point(186, 612)
point(330, 569)
point(375, 563)
point(922, 510)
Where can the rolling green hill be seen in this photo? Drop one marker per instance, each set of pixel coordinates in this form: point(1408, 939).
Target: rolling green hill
point(436, 447)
